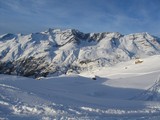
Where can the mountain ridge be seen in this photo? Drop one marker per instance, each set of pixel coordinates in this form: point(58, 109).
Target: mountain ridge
point(61, 51)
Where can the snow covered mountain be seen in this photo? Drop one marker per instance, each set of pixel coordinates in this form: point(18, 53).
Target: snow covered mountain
point(57, 51)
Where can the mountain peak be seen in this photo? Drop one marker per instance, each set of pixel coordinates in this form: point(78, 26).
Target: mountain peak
point(59, 50)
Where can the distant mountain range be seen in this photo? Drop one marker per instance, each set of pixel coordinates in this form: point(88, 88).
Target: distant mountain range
point(57, 51)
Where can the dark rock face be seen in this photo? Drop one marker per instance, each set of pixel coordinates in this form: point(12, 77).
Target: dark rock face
point(8, 36)
point(34, 67)
point(25, 67)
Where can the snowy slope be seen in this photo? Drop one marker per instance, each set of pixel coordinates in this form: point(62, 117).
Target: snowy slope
point(117, 93)
point(58, 51)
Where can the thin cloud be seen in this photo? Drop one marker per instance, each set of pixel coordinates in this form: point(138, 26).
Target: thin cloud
point(123, 16)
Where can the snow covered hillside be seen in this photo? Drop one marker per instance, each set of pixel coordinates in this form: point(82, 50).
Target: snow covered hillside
point(70, 51)
point(121, 92)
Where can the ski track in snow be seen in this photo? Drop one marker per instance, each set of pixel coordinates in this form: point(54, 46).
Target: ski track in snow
point(76, 98)
point(134, 73)
point(18, 109)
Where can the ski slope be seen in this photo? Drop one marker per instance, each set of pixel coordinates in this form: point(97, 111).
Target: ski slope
point(115, 94)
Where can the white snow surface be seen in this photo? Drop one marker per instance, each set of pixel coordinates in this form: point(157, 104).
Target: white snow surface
point(112, 96)
point(71, 47)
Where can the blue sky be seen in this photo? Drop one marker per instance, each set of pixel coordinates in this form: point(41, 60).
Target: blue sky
point(124, 16)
